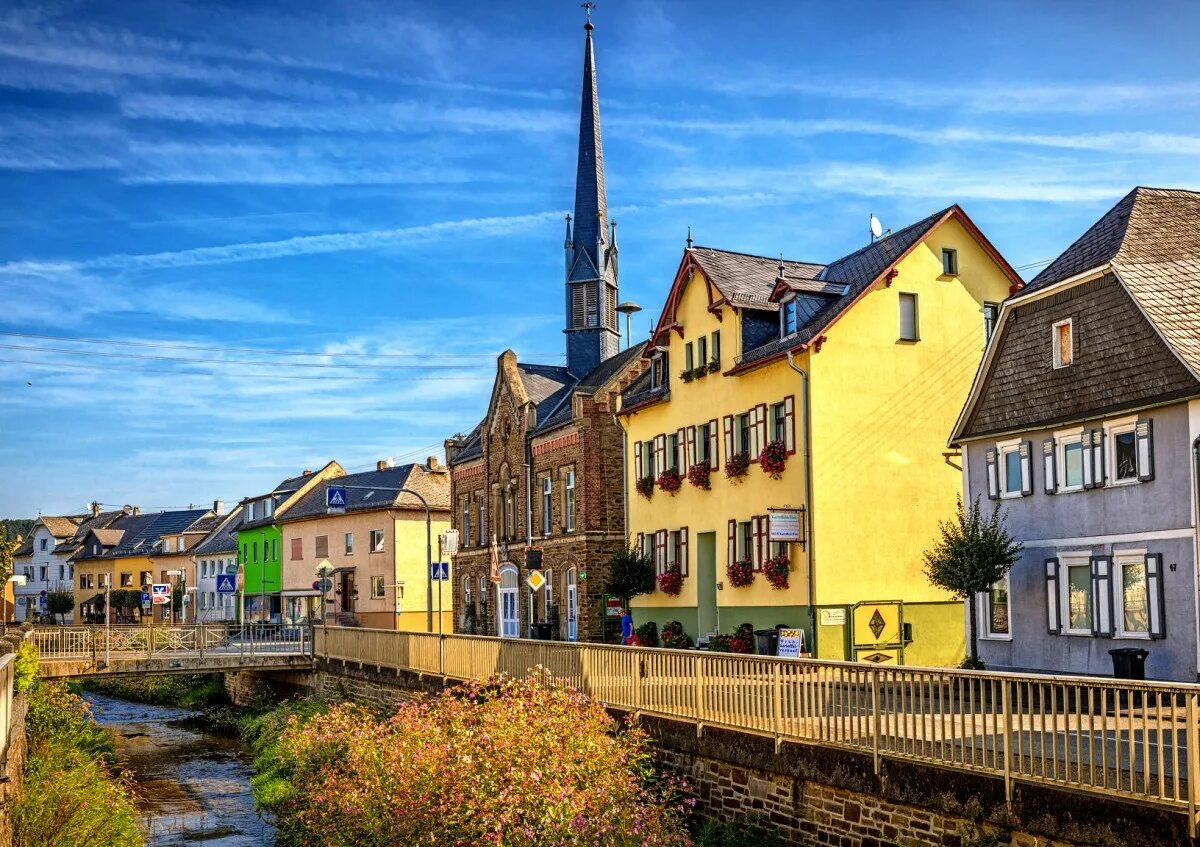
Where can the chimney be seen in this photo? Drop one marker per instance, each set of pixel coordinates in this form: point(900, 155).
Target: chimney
point(432, 463)
point(382, 465)
point(95, 509)
point(219, 507)
point(307, 472)
point(137, 510)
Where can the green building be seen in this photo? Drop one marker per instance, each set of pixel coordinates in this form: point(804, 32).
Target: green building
point(258, 543)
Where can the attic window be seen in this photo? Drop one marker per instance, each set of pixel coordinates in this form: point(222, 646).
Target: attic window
point(1063, 342)
point(949, 262)
point(909, 323)
point(787, 318)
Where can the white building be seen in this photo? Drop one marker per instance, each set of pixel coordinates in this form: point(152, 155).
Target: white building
point(216, 554)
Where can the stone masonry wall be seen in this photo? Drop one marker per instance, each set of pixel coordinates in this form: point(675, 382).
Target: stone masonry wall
point(14, 767)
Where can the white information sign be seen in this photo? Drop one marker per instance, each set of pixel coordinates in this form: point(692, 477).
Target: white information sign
point(833, 617)
point(791, 643)
point(785, 525)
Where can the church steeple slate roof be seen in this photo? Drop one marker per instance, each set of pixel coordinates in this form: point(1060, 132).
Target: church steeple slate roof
point(591, 204)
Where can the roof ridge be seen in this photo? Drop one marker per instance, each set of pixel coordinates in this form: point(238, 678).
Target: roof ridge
point(891, 235)
point(754, 255)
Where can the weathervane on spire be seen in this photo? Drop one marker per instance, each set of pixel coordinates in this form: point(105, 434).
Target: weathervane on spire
point(587, 8)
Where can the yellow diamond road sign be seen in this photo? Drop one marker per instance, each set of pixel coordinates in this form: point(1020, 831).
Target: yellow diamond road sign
point(535, 580)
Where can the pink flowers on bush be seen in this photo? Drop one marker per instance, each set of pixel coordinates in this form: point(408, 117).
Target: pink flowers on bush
point(518, 763)
point(670, 581)
point(670, 481)
point(773, 459)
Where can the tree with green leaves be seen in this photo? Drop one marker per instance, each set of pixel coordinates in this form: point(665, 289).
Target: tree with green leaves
point(630, 573)
point(61, 602)
point(7, 549)
point(973, 553)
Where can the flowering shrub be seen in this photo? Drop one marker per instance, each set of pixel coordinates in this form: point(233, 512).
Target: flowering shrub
point(670, 581)
point(686, 376)
point(737, 465)
point(674, 637)
point(506, 763)
point(645, 486)
point(714, 366)
point(773, 459)
point(776, 571)
point(670, 481)
point(741, 641)
point(647, 634)
point(698, 475)
point(739, 573)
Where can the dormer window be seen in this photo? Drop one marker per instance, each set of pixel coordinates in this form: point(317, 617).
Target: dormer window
point(658, 370)
point(787, 318)
point(1063, 341)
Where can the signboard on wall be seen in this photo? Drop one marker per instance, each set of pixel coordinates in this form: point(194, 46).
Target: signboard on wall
point(832, 617)
point(784, 524)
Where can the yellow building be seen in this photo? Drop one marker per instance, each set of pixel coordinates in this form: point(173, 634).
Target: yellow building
point(851, 374)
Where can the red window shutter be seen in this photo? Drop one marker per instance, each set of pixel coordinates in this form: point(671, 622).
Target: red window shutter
point(764, 539)
point(640, 544)
point(732, 542)
point(761, 423)
point(691, 447)
point(660, 453)
point(727, 422)
point(660, 543)
point(683, 551)
point(637, 461)
point(681, 451)
point(297, 549)
point(789, 422)
point(713, 458)
point(755, 544)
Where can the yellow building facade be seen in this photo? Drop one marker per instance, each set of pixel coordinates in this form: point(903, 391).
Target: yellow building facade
point(850, 374)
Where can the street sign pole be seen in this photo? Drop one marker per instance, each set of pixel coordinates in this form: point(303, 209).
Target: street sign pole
point(440, 581)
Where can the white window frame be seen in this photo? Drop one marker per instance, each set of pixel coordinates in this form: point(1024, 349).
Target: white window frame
point(1112, 429)
point(569, 502)
point(547, 504)
point(1054, 349)
point(348, 543)
point(380, 547)
point(377, 580)
point(1004, 448)
point(1121, 558)
point(548, 593)
point(1074, 558)
point(1062, 439)
point(983, 612)
point(901, 296)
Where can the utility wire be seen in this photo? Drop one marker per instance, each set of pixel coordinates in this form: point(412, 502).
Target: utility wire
point(165, 345)
point(218, 374)
point(194, 361)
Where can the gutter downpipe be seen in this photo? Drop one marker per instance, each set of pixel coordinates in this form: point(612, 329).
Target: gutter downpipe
point(1196, 531)
point(806, 417)
point(529, 507)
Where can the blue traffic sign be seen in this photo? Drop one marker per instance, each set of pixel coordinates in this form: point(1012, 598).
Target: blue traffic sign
point(226, 584)
point(145, 598)
point(335, 497)
point(439, 571)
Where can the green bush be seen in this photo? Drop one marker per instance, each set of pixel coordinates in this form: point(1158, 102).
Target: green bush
point(25, 667)
point(185, 691)
point(514, 763)
point(647, 634)
point(736, 834)
point(71, 796)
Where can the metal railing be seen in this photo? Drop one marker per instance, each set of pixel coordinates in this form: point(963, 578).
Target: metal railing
point(130, 642)
point(1132, 740)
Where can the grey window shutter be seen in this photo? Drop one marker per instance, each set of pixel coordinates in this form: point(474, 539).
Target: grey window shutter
point(1097, 457)
point(1102, 596)
point(732, 542)
point(1156, 596)
point(1053, 623)
point(1049, 471)
point(1026, 453)
point(1145, 450)
point(993, 478)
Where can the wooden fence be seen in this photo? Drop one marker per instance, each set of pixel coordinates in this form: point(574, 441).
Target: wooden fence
point(1118, 738)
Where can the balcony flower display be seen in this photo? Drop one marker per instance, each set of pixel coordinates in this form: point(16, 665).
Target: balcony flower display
point(739, 573)
point(670, 581)
point(776, 571)
point(698, 475)
point(645, 486)
point(737, 465)
point(670, 481)
point(773, 459)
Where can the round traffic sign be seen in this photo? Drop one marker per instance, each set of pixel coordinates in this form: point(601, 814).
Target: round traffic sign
point(323, 585)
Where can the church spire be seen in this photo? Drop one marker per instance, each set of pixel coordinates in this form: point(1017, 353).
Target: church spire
point(591, 205)
point(591, 296)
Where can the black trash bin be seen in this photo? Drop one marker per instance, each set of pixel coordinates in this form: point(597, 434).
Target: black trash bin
point(1129, 662)
point(542, 631)
point(768, 641)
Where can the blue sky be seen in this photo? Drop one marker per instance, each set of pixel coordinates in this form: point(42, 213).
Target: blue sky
point(224, 183)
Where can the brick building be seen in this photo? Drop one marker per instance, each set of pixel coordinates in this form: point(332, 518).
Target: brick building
point(544, 468)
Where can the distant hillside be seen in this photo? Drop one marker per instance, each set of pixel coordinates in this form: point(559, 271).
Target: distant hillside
point(12, 527)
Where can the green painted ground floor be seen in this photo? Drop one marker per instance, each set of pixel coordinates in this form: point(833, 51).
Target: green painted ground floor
point(929, 634)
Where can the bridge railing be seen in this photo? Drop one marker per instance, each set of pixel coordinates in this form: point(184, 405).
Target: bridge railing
point(99, 642)
point(7, 666)
point(1133, 740)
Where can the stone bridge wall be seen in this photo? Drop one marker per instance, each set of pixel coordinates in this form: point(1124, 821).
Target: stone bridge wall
point(809, 794)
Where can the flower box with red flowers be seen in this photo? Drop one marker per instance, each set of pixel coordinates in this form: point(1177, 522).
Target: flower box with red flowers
point(737, 465)
point(776, 571)
point(773, 459)
point(698, 475)
point(739, 573)
point(645, 486)
point(670, 582)
point(670, 481)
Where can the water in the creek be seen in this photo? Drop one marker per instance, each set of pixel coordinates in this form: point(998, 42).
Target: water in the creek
point(194, 784)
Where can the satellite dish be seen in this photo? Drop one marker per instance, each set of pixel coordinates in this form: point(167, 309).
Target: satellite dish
point(876, 228)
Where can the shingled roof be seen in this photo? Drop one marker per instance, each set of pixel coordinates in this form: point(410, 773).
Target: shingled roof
point(1152, 240)
point(223, 538)
point(746, 280)
point(374, 490)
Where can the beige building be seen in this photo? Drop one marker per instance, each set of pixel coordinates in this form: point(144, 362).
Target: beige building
point(375, 548)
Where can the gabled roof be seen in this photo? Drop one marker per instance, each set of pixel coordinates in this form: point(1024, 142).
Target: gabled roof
point(286, 492)
point(61, 526)
point(222, 538)
point(374, 490)
point(142, 540)
point(740, 277)
point(1150, 241)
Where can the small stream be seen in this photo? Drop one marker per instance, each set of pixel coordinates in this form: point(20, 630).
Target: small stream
point(194, 784)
